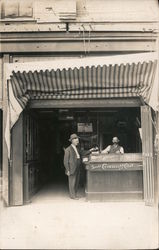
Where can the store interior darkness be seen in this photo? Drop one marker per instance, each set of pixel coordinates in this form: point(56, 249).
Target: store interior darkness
point(94, 126)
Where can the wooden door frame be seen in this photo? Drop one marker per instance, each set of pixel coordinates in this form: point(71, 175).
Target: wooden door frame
point(149, 164)
point(86, 103)
point(17, 164)
point(18, 133)
point(6, 164)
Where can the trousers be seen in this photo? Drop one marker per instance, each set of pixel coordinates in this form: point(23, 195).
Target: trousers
point(73, 181)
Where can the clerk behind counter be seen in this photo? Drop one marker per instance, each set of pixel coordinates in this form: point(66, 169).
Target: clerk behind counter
point(115, 148)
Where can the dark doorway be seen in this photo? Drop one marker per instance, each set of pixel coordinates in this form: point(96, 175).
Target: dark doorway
point(53, 138)
point(94, 126)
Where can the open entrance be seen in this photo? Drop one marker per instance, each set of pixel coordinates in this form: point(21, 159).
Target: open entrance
point(47, 132)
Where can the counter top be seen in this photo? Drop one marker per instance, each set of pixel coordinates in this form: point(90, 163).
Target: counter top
point(114, 162)
point(130, 157)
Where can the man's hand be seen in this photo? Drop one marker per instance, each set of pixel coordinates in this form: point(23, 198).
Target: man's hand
point(94, 149)
point(68, 173)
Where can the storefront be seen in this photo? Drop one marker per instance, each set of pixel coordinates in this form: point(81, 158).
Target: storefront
point(110, 97)
point(94, 75)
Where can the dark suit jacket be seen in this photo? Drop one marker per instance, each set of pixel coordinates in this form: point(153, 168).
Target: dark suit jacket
point(70, 160)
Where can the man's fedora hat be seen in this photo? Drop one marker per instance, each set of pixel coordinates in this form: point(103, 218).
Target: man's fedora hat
point(73, 136)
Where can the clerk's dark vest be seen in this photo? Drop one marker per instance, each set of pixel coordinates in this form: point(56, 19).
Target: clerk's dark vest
point(114, 150)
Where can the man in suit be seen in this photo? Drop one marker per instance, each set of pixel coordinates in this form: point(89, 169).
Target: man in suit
point(72, 163)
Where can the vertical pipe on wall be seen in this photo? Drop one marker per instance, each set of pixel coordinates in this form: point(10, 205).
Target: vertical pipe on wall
point(144, 152)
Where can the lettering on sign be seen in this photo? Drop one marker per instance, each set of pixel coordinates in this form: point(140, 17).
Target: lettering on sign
point(115, 166)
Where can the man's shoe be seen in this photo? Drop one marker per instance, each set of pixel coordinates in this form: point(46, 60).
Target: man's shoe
point(79, 196)
point(74, 198)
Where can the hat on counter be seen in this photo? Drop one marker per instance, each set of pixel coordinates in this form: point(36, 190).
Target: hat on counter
point(115, 139)
point(73, 136)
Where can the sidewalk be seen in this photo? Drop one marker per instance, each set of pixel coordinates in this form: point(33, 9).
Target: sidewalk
point(52, 221)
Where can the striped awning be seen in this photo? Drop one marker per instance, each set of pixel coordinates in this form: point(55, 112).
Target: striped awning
point(83, 78)
point(87, 81)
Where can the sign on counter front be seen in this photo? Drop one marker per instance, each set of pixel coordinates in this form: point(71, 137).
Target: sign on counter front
point(115, 166)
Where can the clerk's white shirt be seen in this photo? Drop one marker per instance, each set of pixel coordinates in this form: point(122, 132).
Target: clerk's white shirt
point(107, 149)
point(75, 149)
